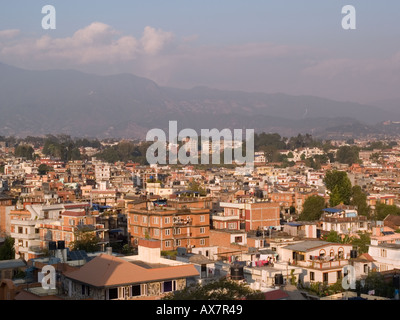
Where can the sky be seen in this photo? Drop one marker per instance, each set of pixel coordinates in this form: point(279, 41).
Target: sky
point(286, 46)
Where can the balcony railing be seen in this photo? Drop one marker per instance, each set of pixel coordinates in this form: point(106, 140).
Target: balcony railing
point(322, 264)
point(24, 236)
point(182, 222)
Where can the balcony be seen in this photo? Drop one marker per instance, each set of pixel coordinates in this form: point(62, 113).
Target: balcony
point(23, 236)
point(182, 222)
point(322, 264)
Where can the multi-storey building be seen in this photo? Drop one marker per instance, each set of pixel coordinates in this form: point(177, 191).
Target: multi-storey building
point(188, 227)
point(247, 215)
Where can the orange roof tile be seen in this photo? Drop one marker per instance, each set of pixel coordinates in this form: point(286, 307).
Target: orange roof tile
point(106, 270)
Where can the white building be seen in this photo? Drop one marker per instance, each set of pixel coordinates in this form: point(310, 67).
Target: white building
point(386, 255)
point(321, 261)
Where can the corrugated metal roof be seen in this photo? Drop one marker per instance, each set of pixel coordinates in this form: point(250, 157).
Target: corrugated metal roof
point(9, 264)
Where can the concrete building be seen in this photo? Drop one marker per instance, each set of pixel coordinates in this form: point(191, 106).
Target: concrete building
point(321, 261)
point(147, 275)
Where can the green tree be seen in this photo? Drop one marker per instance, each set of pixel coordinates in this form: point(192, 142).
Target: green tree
point(44, 169)
point(375, 281)
point(333, 236)
point(7, 251)
point(24, 151)
point(348, 155)
point(222, 289)
point(312, 208)
point(339, 186)
point(362, 242)
point(359, 199)
point(86, 240)
point(383, 210)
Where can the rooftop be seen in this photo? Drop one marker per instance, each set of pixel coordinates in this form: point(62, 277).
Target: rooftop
point(106, 271)
point(309, 245)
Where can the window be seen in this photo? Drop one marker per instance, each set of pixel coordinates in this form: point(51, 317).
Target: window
point(202, 230)
point(312, 276)
point(136, 291)
point(177, 231)
point(155, 220)
point(168, 286)
point(325, 277)
point(202, 218)
point(167, 232)
point(383, 253)
point(71, 222)
point(178, 243)
point(202, 242)
point(113, 294)
point(339, 275)
point(167, 220)
point(167, 244)
point(366, 268)
point(156, 232)
point(135, 218)
point(144, 219)
point(135, 229)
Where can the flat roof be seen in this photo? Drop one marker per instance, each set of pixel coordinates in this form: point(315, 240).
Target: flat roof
point(309, 245)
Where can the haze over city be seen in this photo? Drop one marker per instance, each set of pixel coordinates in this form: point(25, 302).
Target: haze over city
point(264, 46)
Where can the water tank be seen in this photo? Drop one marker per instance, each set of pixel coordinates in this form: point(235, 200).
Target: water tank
point(278, 279)
point(52, 245)
point(61, 245)
point(353, 254)
point(237, 272)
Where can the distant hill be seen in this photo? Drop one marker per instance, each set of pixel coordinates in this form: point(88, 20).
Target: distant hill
point(127, 106)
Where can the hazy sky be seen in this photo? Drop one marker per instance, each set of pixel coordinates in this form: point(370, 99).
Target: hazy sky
point(290, 46)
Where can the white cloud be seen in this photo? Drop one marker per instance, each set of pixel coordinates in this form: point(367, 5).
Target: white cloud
point(96, 43)
point(9, 34)
point(154, 40)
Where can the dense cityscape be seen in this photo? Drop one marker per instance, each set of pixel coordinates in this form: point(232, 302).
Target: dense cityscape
point(315, 220)
point(212, 158)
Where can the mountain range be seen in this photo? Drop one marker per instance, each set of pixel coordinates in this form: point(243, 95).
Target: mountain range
point(126, 106)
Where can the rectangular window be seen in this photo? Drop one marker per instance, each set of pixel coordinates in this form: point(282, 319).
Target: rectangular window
point(339, 275)
point(167, 220)
point(135, 218)
point(156, 232)
point(155, 220)
point(167, 232)
point(202, 218)
point(312, 276)
point(136, 291)
point(383, 253)
point(167, 286)
point(202, 242)
point(325, 277)
point(144, 219)
point(167, 244)
point(202, 230)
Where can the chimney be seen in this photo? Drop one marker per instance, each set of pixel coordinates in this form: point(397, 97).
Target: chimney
point(149, 250)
